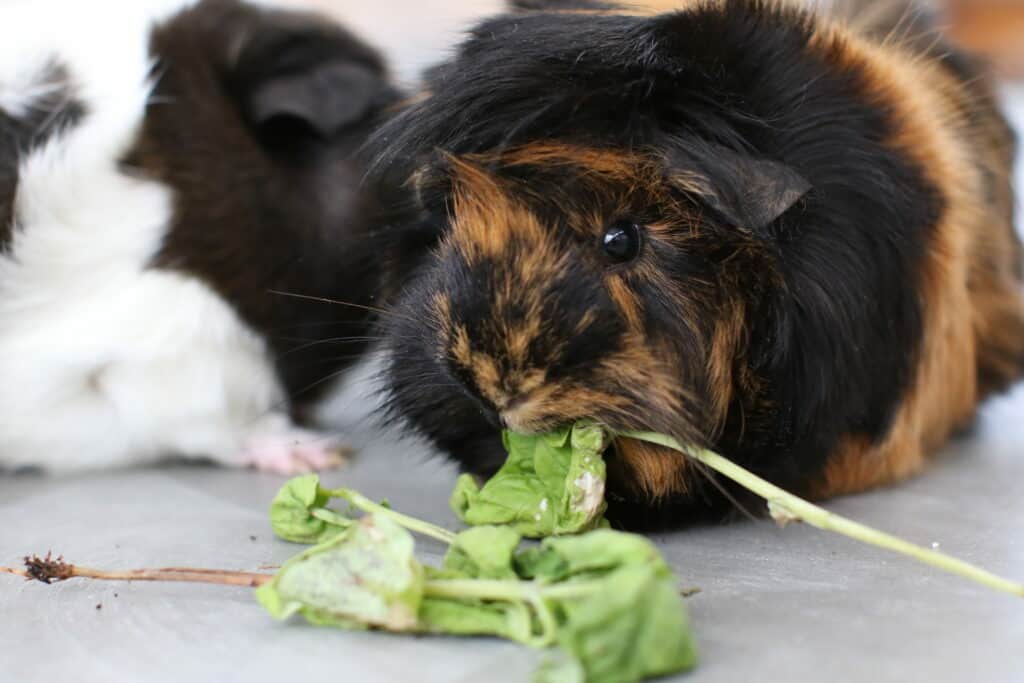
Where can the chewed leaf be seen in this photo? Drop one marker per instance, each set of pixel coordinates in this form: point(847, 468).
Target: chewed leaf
point(588, 438)
point(483, 552)
point(366, 576)
point(550, 484)
point(291, 512)
point(584, 504)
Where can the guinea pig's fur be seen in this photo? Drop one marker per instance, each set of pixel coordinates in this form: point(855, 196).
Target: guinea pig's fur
point(169, 171)
point(828, 281)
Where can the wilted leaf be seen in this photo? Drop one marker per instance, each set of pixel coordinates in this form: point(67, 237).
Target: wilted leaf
point(367, 576)
point(291, 512)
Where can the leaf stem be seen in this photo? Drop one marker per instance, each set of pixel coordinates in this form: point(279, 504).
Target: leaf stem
point(785, 505)
point(480, 589)
point(331, 517)
point(411, 523)
point(529, 592)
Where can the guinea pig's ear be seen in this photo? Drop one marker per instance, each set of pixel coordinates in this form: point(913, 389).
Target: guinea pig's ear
point(325, 98)
point(749, 191)
point(303, 75)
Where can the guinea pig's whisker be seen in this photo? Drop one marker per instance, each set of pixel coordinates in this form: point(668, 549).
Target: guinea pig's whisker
point(310, 343)
point(328, 360)
point(708, 474)
point(358, 324)
point(373, 309)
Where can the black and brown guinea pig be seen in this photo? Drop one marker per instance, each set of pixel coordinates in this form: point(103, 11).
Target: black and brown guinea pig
point(174, 177)
point(744, 224)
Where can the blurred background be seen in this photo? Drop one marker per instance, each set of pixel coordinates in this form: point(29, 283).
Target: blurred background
point(994, 28)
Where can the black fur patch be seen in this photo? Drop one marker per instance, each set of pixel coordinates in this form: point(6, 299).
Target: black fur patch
point(46, 116)
point(833, 315)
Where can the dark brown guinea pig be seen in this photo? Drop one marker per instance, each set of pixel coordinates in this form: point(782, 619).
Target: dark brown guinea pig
point(742, 224)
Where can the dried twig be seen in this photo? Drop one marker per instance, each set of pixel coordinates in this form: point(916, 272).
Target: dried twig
point(51, 570)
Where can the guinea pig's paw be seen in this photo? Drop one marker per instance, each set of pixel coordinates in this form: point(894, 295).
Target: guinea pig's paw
point(289, 450)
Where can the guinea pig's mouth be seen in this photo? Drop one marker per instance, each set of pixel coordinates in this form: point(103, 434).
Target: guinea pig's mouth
point(524, 417)
point(522, 422)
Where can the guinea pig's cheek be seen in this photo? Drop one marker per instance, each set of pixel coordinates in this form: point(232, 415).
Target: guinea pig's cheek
point(649, 470)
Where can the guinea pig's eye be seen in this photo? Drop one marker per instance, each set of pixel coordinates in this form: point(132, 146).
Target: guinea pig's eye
point(621, 241)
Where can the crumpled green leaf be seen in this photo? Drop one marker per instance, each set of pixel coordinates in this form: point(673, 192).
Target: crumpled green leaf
point(627, 622)
point(551, 484)
point(366, 576)
point(291, 512)
point(636, 629)
point(601, 550)
point(484, 552)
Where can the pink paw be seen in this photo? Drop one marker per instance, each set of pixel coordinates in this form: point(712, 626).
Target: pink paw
point(293, 451)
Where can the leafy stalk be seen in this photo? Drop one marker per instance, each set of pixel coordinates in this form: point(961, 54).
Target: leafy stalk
point(364, 504)
point(299, 513)
point(785, 506)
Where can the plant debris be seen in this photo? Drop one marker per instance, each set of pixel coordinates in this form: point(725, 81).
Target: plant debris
point(605, 599)
point(48, 569)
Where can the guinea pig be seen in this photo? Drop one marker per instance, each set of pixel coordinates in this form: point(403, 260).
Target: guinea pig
point(174, 178)
point(744, 224)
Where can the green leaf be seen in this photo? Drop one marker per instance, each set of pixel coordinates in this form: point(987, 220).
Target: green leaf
point(601, 550)
point(366, 576)
point(550, 484)
point(483, 552)
point(635, 628)
point(475, 618)
point(560, 668)
point(291, 512)
point(619, 611)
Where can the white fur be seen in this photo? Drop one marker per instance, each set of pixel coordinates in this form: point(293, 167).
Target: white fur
point(104, 361)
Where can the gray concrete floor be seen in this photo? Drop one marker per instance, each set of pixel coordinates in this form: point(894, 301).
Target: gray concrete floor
point(794, 605)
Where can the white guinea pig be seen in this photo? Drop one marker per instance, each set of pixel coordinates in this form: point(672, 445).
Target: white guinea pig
point(169, 173)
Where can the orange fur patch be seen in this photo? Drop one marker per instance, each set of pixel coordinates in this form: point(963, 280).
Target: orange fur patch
point(654, 472)
point(484, 215)
point(932, 129)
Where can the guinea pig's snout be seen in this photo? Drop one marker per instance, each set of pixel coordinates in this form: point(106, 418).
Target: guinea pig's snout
point(518, 407)
point(530, 356)
point(514, 397)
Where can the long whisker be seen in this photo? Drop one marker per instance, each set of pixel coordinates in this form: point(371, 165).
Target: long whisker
point(708, 474)
point(338, 302)
point(319, 342)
